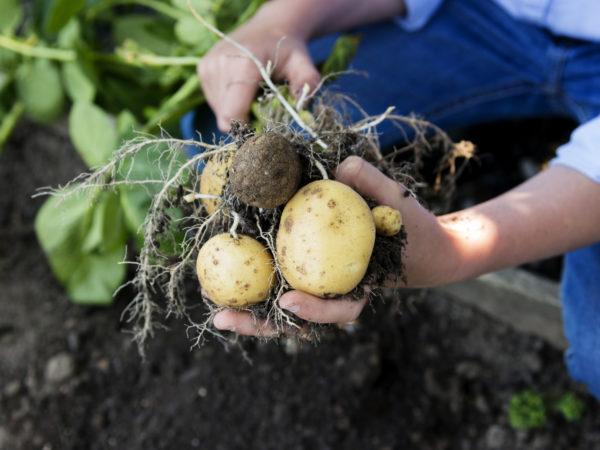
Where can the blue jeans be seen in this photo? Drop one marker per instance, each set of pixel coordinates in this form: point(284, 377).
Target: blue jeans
point(474, 63)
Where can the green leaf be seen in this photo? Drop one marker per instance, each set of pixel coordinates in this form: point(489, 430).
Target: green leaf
point(249, 12)
point(93, 133)
point(150, 163)
point(342, 53)
point(8, 60)
point(570, 406)
point(39, 88)
point(70, 35)
point(127, 124)
point(97, 277)
point(84, 241)
point(149, 33)
point(11, 14)
point(227, 13)
point(77, 82)
point(60, 226)
point(106, 231)
point(135, 202)
point(60, 12)
point(202, 7)
point(191, 32)
point(527, 410)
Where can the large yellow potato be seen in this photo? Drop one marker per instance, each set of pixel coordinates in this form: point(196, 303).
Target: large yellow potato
point(325, 239)
point(235, 272)
point(213, 178)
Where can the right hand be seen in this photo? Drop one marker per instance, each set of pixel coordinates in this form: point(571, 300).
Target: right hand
point(230, 79)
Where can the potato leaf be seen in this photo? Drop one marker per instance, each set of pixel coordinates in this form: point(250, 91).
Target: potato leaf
point(93, 133)
point(84, 241)
point(150, 34)
point(341, 55)
point(11, 13)
point(135, 199)
point(189, 31)
point(77, 82)
point(60, 12)
point(202, 7)
point(97, 277)
point(40, 89)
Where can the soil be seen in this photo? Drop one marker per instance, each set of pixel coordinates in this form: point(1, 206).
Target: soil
point(266, 171)
point(417, 371)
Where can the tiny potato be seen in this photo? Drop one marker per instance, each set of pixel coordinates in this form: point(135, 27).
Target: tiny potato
point(235, 272)
point(213, 178)
point(325, 239)
point(388, 221)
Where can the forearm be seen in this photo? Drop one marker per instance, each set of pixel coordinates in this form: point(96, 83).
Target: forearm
point(312, 18)
point(554, 212)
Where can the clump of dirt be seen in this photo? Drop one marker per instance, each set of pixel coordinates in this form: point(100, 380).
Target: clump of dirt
point(266, 171)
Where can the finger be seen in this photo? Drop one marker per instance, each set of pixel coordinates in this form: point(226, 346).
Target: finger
point(242, 322)
point(369, 181)
point(230, 95)
point(300, 70)
point(318, 310)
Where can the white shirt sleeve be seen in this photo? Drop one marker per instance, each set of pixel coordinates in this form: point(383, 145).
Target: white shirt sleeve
point(582, 152)
point(418, 13)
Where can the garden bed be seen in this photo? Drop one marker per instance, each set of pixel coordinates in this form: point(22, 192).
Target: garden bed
point(417, 371)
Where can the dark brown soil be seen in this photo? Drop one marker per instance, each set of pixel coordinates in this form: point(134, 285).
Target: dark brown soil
point(436, 375)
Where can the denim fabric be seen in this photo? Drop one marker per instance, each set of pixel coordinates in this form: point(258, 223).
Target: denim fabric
point(472, 63)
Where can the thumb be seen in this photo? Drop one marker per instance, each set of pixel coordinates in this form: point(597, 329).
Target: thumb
point(299, 70)
point(369, 181)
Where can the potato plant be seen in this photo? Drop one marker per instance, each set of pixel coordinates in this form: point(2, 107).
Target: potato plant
point(245, 248)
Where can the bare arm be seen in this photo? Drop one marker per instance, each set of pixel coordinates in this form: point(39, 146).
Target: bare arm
point(230, 80)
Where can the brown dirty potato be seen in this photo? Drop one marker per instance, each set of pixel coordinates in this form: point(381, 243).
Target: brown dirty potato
point(325, 239)
point(235, 272)
point(213, 178)
point(266, 171)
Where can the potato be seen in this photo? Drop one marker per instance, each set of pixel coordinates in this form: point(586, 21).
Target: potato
point(325, 239)
point(388, 221)
point(266, 171)
point(213, 178)
point(235, 272)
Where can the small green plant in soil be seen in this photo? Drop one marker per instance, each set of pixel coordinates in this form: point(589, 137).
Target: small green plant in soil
point(528, 409)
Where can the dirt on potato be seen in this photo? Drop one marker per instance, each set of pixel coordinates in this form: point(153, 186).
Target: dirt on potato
point(266, 171)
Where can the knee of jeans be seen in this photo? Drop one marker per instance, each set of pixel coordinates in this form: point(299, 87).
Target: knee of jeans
point(583, 362)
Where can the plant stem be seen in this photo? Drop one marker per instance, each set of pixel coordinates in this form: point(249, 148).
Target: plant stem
point(153, 60)
point(173, 103)
point(10, 122)
point(25, 49)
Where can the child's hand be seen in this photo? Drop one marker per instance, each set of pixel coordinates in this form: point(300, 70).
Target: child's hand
point(230, 79)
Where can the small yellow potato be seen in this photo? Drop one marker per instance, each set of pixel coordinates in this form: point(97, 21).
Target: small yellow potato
point(325, 239)
point(388, 221)
point(235, 272)
point(213, 178)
